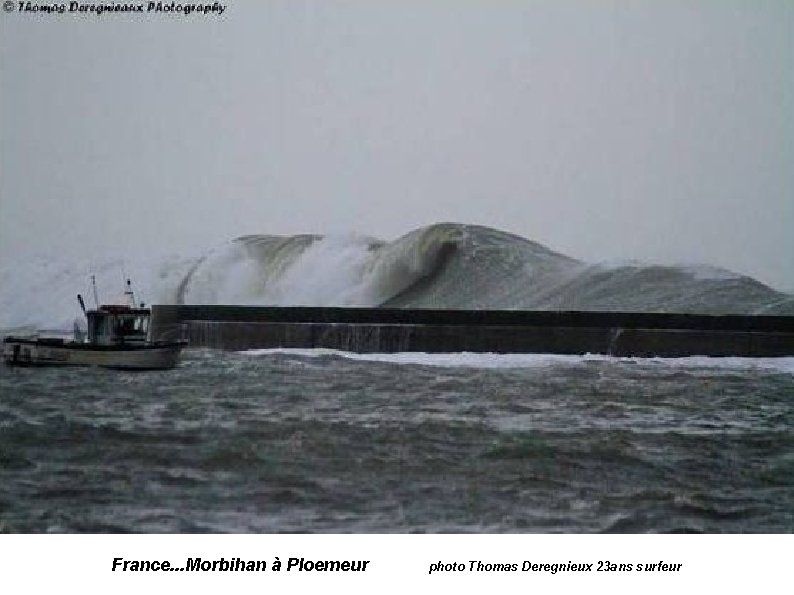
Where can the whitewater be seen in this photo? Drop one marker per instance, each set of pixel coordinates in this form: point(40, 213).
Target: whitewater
point(316, 440)
point(439, 266)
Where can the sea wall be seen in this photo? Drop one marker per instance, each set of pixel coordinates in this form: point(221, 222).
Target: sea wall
point(499, 331)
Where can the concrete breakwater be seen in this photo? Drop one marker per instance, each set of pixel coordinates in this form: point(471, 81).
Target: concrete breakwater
point(499, 331)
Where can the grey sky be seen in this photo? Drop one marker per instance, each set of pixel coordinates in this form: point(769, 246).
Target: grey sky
point(649, 130)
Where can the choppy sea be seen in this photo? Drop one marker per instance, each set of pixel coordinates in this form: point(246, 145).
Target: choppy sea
point(318, 441)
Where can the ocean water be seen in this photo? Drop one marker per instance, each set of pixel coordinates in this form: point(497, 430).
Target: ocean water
point(319, 441)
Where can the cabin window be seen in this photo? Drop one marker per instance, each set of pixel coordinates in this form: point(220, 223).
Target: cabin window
point(130, 325)
point(110, 328)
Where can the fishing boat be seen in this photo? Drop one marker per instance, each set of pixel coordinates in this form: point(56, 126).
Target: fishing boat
point(118, 336)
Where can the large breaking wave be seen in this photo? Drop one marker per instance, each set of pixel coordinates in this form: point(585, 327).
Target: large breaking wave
point(439, 266)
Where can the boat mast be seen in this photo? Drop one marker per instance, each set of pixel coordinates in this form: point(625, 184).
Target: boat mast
point(96, 295)
point(128, 293)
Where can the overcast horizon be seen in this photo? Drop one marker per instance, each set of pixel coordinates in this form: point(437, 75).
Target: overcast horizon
point(656, 131)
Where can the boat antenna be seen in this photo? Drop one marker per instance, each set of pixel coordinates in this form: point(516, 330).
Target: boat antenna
point(128, 292)
point(96, 295)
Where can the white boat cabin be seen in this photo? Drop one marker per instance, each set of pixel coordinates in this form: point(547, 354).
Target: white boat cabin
point(112, 325)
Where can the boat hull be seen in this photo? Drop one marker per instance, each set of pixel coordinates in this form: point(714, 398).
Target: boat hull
point(55, 352)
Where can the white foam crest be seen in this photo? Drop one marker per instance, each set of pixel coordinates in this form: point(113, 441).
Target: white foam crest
point(226, 276)
point(330, 272)
point(536, 360)
point(780, 364)
point(445, 360)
